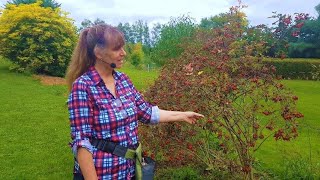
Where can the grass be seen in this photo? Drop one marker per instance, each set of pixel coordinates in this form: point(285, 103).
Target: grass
point(35, 129)
point(306, 147)
point(141, 79)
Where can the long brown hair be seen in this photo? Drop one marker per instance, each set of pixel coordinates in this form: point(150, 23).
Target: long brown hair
point(83, 56)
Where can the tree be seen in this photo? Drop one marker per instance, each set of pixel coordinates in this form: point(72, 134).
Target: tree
point(317, 8)
point(88, 23)
point(44, 3)
point(98, 21)
point(85, 24)
point(155, 34)
point(37, 39)
point(214, 22)
point(286, 29)
point(137, 32)
point(307, 44)
point(174, 33)
point(137, 28)
point(137, 55)
point(222, 19)
point(141, 34)
point(220, 74)
point(126, 29)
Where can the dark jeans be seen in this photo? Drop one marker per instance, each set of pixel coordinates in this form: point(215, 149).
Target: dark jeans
point(78, 176)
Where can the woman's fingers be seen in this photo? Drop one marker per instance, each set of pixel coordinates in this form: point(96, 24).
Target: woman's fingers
point(196, 115)
point(199, 115)
point(192, 117)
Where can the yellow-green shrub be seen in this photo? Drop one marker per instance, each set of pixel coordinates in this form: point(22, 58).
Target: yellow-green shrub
point(137, 55)
point(37, 39)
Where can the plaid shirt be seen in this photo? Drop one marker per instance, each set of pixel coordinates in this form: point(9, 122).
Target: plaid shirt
point(95, 113)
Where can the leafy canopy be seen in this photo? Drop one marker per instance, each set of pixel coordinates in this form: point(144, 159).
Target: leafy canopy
point(37, 39)
point(44, 3)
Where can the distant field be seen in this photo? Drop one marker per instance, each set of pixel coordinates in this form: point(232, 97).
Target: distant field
point(277, 153)
point(35, 127)
point(141, 79)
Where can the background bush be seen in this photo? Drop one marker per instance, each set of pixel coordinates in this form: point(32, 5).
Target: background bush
point(178, 31)
point(37, 39)
point(137, 55)
point(296, 68)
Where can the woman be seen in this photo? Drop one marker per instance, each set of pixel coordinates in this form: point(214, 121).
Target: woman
point(104, 107)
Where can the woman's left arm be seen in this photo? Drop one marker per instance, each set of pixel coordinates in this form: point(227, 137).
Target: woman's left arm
point(176, 116)
point(152, 114)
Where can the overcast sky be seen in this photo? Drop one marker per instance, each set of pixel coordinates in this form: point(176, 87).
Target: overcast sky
point(153, 11)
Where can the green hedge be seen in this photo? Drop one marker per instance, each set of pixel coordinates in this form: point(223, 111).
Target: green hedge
point(296, 68)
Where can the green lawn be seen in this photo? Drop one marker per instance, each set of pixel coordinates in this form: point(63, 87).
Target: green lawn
point(141, 79)
point(35, 127)
point(276, 154)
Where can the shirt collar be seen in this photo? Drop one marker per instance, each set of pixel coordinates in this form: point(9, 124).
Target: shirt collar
point(96, 78)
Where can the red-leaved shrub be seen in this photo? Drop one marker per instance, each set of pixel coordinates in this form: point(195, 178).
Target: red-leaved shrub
point(220, 74)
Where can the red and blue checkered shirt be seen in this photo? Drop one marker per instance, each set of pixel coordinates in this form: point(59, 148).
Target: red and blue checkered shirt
point(95, 113)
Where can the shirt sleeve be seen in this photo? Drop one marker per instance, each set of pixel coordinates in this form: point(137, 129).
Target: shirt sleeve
point(155, 116)
point(147, 113)
point(80, 114)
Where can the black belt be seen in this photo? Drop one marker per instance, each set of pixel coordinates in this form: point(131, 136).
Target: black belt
point(113, 148)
